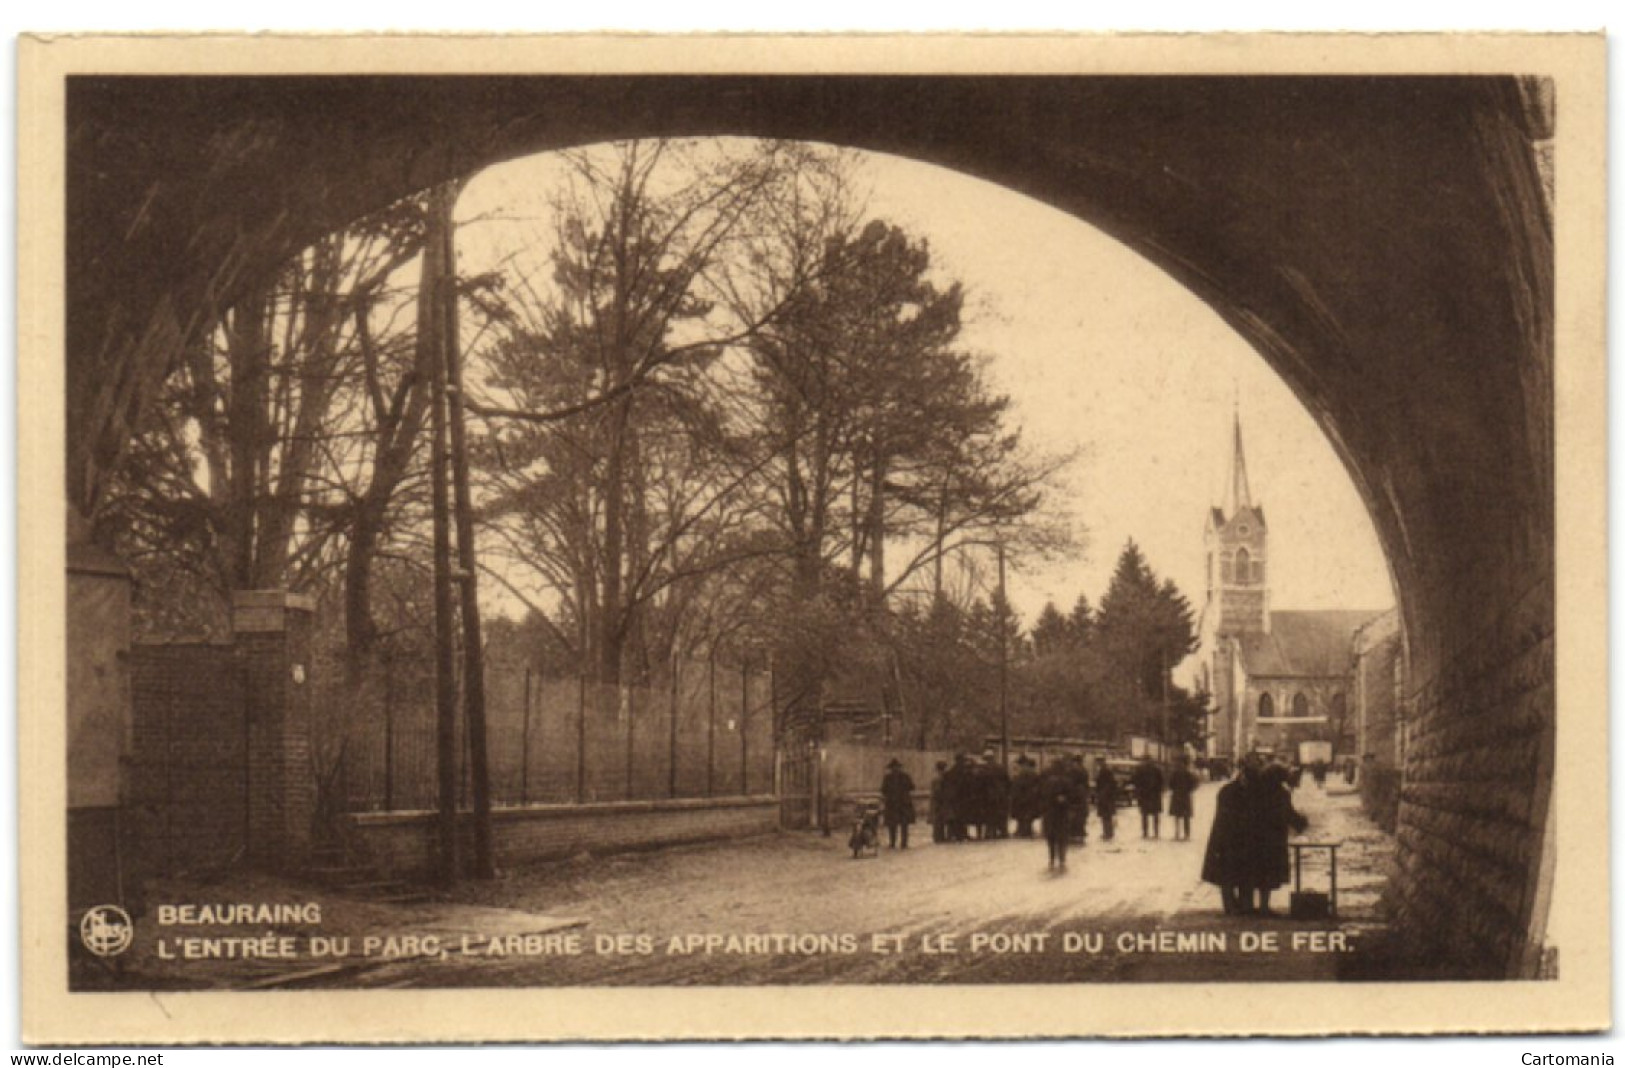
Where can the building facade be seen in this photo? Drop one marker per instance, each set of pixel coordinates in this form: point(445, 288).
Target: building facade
point(1275, 678)
point(1379, 690)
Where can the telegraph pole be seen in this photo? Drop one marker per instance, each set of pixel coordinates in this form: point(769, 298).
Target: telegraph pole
point(432, 355)
point(468, 574)
point(1004, 667)
point(1165, 739)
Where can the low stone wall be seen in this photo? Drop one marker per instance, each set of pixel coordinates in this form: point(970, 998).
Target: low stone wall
point(404, 843)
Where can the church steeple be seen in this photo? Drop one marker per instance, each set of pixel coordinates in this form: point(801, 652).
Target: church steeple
point(1240, 494)
point(1237, 553)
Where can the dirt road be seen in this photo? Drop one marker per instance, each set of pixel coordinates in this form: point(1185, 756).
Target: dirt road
point(795, 908)
point(1132, 909)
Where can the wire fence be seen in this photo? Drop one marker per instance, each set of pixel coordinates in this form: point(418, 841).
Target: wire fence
point(704, 730)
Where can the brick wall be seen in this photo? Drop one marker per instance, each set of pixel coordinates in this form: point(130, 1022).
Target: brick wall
point(272, 632)
point(403, 843)
point(220, 768)
point(1477, 779)
point(186, 800)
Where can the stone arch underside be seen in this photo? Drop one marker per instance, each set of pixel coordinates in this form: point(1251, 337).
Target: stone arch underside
point(1384, 243)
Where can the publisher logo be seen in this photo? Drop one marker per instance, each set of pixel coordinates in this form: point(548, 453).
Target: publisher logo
point(106, 930)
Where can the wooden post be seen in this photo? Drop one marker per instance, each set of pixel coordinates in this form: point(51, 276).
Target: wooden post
point(711, 731)
point(581, 737)
point(524, 746)
point(671, 764)
point(626, 696)
point(468, 563)
point(1004, 669)
point(432, 354)
point(389, 735)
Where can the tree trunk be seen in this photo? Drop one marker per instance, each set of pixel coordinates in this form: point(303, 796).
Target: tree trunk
point(877, 535)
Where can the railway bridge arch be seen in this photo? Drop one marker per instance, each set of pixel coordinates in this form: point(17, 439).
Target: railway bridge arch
point(1384, 243)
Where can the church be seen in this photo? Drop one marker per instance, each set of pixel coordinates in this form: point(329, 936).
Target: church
point(1274, 677)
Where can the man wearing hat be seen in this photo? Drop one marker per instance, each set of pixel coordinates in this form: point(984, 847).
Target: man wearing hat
point(995, 790)
point(1025, 802)
point(897, 802)
point(957, 788)
point(939, 805)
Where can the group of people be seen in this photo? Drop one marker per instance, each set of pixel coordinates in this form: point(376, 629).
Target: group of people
point(1247, 850)
point(1246, 853)
point(971, 799)
point(1063, 795)
point(974, 799)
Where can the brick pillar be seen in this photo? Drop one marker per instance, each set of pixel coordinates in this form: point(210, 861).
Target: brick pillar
point(272, 633)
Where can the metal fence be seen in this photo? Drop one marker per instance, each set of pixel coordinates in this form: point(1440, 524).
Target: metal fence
point(705, 730)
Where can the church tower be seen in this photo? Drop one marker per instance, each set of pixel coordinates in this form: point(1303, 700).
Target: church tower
point(1237, 606)
point(1237, 542)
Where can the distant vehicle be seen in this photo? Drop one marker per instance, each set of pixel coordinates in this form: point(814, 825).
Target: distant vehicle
point(1123, 770)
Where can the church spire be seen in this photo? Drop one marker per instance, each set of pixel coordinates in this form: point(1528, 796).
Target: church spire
point(1240, 495)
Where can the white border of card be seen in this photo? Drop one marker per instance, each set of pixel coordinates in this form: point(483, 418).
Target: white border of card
point(1578, 999)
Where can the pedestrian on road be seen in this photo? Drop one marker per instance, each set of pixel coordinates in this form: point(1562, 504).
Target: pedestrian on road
point(1271, 821)
point(1182, 783)
point(1106, 798)
point(1080, 798)
point(1225, 862)
point(995, 797)
point(897, 799)
point(981, 795)
point(938, 811)
point(1057, 793)
point(956, 797)
point(1247, 849)
point(1148, 795)
point(1026, 803)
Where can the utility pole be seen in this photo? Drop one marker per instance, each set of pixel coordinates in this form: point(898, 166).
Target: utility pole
point(432, 334)
point(1004, 667)
point(468, 564)
point(1165, 738)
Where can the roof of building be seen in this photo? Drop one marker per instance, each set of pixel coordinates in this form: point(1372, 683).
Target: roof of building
point(1217, 518)
point(1305, 643)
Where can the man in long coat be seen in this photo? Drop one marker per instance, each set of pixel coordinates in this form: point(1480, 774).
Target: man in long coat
point(1026, 804)
point(1225, 864)
point(939, 806)
point(956, 797)
point(1148, 795)
point(1182, 783)
point(1079, 829)
point(897, 802)
point(1273, 819)
point(1246, 850)
point(1056, 793)
point(995, 798)
point(1106, 799)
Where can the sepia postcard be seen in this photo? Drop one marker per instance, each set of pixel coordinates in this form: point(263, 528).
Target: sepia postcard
point(723, 537)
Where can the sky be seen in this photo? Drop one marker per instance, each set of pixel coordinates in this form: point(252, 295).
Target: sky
point(1101, 353)
point(1099, 348)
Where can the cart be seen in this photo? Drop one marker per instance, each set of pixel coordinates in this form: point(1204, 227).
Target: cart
point(1312, 904)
